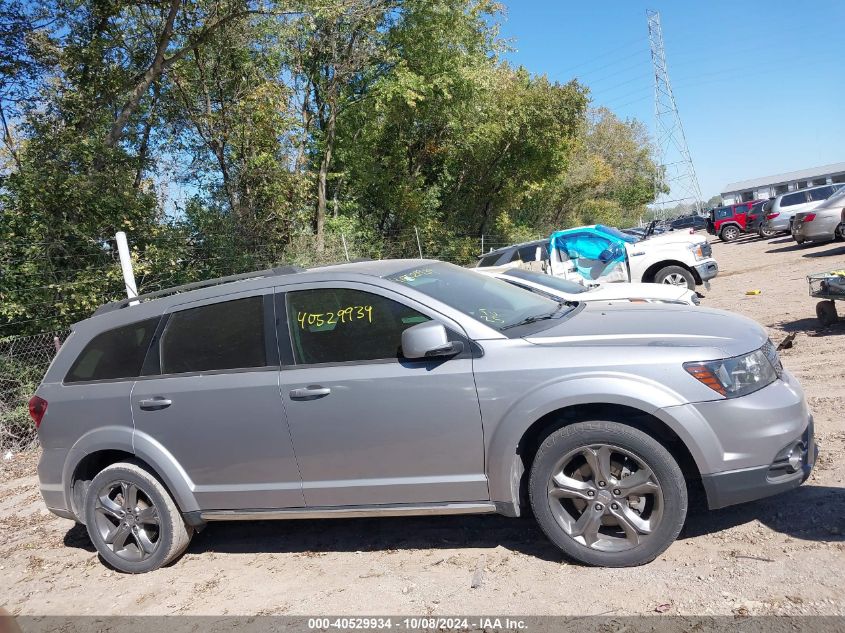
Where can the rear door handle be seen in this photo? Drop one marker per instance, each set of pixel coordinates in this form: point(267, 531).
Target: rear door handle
point(155, 404)
point(311, 392)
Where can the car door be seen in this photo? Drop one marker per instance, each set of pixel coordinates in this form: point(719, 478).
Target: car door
point(213, 403)
point(370, 427)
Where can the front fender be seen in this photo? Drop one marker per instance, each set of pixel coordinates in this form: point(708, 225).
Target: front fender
point(505, 468)
point(123, 438)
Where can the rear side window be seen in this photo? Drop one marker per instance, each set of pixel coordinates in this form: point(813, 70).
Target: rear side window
point(117, 353)
point(822, 193)
point(226, 335)
point(793, 199)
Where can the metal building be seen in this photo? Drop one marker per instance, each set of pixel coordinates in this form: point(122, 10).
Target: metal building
point(770, 186)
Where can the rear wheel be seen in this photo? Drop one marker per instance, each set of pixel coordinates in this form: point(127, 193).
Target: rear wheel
point(675, 276)
point(729, 233)
point(766, 233)
point(607, 494)
point(132, 520)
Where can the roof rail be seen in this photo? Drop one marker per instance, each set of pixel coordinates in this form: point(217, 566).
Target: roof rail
point(269, 272)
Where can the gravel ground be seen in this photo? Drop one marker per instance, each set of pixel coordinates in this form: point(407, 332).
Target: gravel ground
point(782, 555)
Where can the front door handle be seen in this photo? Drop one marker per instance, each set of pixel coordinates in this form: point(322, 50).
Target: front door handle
point(311, 392)
point(155, 404)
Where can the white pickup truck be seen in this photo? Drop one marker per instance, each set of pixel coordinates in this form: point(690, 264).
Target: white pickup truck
point(600, 254)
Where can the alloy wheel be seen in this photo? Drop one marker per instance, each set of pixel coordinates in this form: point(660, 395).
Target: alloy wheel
point(675, 279)
point(605, 497)
point(127, 520)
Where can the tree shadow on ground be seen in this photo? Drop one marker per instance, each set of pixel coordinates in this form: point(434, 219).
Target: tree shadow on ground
point(837, 251)
point(811, 326)
point(809, 513)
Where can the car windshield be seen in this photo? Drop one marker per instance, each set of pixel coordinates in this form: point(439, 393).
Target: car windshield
point(609, 230)
point(549, 281)
point(490, 301)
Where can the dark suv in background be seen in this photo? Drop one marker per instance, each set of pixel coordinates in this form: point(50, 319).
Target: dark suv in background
point(695, 222)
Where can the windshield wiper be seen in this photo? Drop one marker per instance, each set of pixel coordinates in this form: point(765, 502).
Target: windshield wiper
point(537, 317)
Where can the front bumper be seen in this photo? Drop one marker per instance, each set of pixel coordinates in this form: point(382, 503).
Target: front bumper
point(784, 473)
point(707, 270)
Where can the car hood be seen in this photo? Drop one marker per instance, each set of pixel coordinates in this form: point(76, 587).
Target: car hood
point(654, 292)
point(723, 334)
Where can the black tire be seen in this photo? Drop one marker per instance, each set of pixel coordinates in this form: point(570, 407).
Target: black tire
point(766, 233)
point(664, 275)
point(581, 435)
point(169, 535)
point(729, 233)
point(826, 312)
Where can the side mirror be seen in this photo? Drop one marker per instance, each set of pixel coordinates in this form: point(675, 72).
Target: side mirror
point(428, 340)
point(606, 256)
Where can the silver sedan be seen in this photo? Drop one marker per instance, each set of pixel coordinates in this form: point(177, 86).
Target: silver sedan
point(824, 223)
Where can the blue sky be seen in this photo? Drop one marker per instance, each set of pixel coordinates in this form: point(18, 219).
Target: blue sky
point(759, 84)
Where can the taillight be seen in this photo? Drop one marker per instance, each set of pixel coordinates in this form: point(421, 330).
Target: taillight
point(772, 216)
point(37, 409)
point(809, 217)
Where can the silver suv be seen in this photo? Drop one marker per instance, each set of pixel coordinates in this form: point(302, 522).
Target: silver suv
point(409, 387)
point(786, 205)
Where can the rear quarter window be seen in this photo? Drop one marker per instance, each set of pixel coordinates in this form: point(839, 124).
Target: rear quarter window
point(117, 353)
point(793, 199)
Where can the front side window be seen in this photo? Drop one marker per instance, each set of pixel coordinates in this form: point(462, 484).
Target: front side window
point(335, 325)
point(118, 353)
point(491, 301)
point(724, 212)
point(226, 335)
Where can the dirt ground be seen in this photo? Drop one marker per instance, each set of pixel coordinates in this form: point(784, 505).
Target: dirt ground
point(782, 555)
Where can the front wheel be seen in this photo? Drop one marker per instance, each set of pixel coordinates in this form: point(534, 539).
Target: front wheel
point(607, 494)
point(675, 276)
point(132, 520)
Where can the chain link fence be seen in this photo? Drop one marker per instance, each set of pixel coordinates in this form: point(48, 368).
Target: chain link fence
point(24, 359)
point(23, 362)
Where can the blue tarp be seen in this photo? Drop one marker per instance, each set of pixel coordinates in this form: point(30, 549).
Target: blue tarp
point(595, 250)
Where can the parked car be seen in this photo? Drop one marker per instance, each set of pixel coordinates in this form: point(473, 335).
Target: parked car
point(695, 222)
point(786, 205)
point(757, 217)
point(405, 387)
point(826, 222)
point(561, 289)
point(597, 253)
point(731, 221)
point(515, 254)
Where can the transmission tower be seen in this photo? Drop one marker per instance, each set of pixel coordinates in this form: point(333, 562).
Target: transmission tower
point(676, 171)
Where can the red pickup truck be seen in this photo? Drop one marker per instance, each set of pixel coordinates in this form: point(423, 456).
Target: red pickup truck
point(732, 221)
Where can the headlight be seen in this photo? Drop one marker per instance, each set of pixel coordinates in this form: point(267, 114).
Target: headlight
point(737, 376)
point(699, 251)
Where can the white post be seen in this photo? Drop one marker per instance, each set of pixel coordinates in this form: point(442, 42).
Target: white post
point(419, 246)
point(345, 250)
point(482, 243)
point(126, 266)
